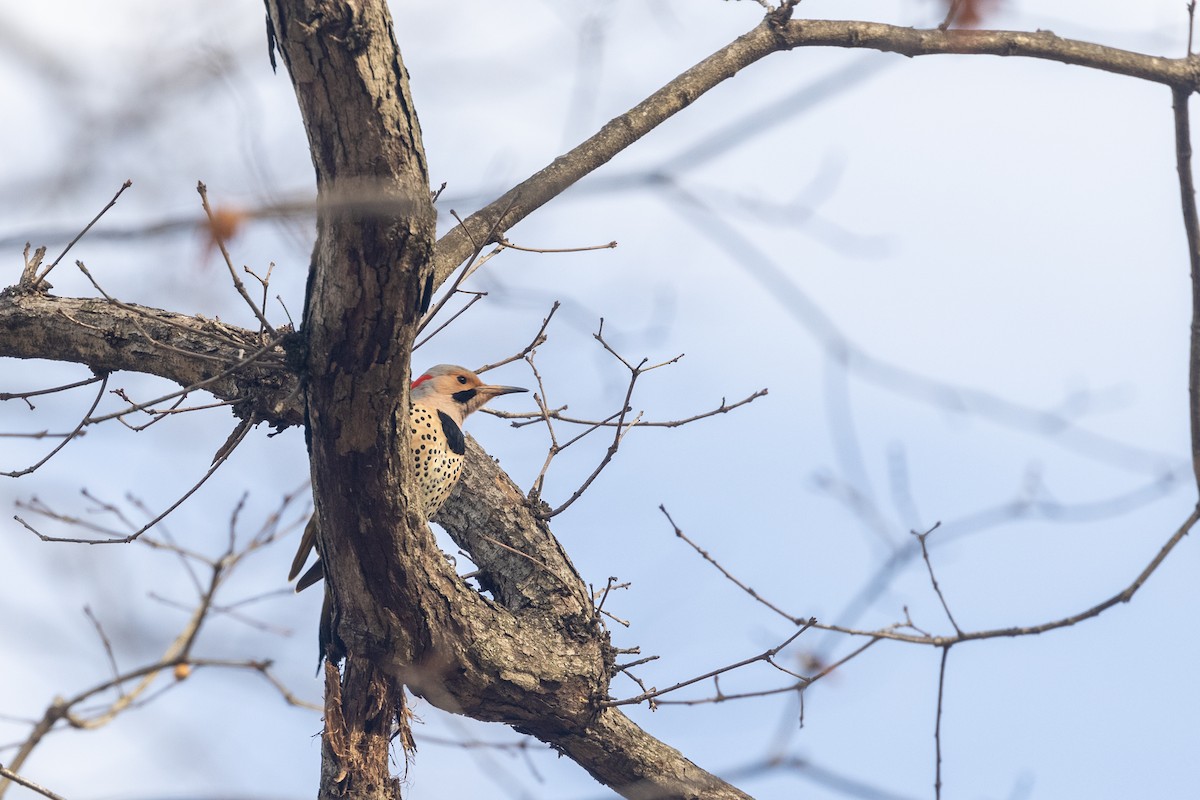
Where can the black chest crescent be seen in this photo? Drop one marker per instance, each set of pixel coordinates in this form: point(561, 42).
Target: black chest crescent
point(454, 434)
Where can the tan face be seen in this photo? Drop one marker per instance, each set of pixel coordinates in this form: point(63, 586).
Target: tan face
point(448, 386)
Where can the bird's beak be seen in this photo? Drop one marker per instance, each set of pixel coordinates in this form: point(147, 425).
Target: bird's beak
point(496, 391)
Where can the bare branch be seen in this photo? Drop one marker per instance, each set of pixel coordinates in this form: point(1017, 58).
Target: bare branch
point(36, 392)
point(728, 575)
point(37, 282)
point(506, 243)
point(66, 440)
point(1191, 9)
point(1123, 596)
point(104, 641)
point(1191, 224)
point(468, 269)
point(475, 298)
point(538, 339)
point(233, 369)
point(621, 426)
point(240, 432)
point(108, 337)
point(921, 537)
point(766, 655)
point(218, 237)
point(527, 418)
point(800, 686)
point(7, 773)
point(937, 727)
point(29, 272)
point(539, 398)
point(774, 34)
point(175, 658)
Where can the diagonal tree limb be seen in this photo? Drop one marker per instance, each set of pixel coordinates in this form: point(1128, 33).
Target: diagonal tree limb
point(774, 34)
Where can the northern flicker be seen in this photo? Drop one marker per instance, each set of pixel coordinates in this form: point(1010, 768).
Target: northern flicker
point(441, 399)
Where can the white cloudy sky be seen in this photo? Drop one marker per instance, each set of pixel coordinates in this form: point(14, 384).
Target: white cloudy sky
point(1009, 228)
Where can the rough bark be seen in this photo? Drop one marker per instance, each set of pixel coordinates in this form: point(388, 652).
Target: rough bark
point(361, 311)
point(108, 336)
point(536, 658)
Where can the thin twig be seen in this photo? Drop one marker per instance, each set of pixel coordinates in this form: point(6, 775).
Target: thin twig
point(41, 435)
point(506, 243)
point(104, 640)
point(223, 457)
point(937, 727)
point(265, 282)
point(217, 335)
point(728, 575)
point(34, 393)
point(522, 419)
point(1191, 9)
point(606, 422)
point(799, 686)
point(220, 242)
point(766, 655)
point(538, 339)
point(468, 269)
point(921, 537)
point(951, 13)
point(28, 784)
point(158, 414)
point(80, 235)
point(608, 587)
point(250, 359)
point(539, 398)
point(475, 298)
point(621, 426)
point(1191, 224)
point(65, 441)
point(1123, 596)
point(637, 663)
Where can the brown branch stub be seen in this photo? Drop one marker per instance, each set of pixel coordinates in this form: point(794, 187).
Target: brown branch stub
point(29, 281)
point(1191, 11)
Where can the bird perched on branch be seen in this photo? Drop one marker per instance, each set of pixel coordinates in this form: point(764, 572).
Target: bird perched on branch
point(441, 399)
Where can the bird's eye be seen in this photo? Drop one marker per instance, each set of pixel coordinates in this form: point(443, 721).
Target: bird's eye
point(462, 379)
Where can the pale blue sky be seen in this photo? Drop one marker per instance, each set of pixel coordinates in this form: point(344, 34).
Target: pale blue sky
point(1007, 226)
